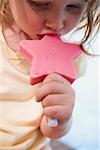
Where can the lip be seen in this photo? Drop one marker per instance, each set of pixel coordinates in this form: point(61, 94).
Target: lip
point(40, 36)
point(52, 34)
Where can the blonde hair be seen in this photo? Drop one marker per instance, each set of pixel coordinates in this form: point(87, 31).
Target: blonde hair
point(91, 17)
point(5, 13)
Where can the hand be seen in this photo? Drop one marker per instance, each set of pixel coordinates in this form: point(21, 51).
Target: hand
point(57, 98)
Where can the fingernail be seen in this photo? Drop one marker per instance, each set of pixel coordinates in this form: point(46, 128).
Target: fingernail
point(52, 122)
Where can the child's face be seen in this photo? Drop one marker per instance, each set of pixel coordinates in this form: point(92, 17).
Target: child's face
point(39, 17)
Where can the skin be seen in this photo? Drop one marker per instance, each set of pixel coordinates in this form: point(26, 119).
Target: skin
point(56, 17)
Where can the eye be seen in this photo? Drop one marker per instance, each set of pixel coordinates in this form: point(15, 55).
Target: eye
point(74, 8)
point(38, 5)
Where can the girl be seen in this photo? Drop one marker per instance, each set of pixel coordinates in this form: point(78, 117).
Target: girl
point(23, 121)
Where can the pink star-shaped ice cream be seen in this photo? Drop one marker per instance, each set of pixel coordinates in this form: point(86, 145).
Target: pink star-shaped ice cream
point(50, 55)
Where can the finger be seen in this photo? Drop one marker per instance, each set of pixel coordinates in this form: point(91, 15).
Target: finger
point(60, 112)
point(50, 88)
point(55, 99)
point(56, 77)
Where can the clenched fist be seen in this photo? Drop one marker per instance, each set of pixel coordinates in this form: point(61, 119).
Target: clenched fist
point(57, 98)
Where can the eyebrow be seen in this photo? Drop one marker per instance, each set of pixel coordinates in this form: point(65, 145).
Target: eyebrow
point(52, 0)
point(81, 2)
point(41, 1)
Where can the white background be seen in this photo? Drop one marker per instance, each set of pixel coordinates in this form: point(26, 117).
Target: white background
point(84, 134)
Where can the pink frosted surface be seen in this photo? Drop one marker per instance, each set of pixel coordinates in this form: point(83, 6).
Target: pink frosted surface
point(50, 55)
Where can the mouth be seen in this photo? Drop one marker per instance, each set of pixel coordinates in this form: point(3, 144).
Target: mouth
point(40, 36)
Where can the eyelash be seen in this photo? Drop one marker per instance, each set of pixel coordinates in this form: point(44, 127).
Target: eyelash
point(39, 6)
point(73, 8)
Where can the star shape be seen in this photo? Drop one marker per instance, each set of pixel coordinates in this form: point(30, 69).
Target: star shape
point(50, 55)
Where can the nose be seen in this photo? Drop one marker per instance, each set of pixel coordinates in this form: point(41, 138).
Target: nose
point(55, 21)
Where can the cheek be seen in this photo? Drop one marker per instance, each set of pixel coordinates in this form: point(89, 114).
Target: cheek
point(71, 22)
point(34, 22)
point(27, 20)
point(33, 26)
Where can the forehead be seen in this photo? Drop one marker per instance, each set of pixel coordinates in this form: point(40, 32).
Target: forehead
point(59, 1)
